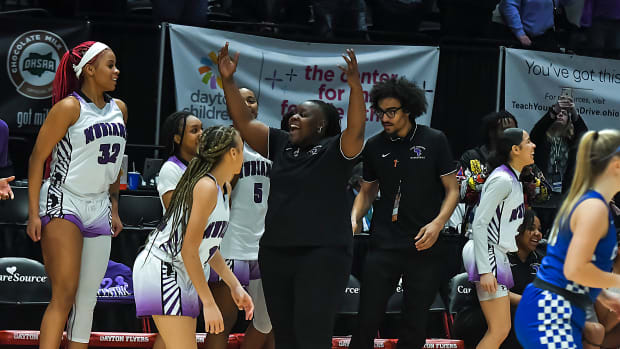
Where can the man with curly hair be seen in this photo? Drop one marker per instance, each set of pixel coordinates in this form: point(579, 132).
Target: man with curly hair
point(412, 166)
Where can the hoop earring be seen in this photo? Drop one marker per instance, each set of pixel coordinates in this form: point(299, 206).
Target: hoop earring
point(320, 129)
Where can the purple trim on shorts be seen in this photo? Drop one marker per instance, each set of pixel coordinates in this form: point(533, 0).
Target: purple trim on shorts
point(244, 271)
point(98, 228)
point(177, 162)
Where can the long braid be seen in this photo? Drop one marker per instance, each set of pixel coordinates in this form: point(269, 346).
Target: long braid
point(214, 142)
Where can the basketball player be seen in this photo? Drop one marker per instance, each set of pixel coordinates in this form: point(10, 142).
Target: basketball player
point(75, 211)
point(169, 279)
point(305, 259)
point(182, 131)
point(240, 246)
point(497, 220)
point(582, 247)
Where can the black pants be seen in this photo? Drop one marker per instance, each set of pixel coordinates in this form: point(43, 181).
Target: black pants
point(422, 274)
point(304, 287)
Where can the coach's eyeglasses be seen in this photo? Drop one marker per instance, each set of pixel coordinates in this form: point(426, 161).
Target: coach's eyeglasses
point(390, 112)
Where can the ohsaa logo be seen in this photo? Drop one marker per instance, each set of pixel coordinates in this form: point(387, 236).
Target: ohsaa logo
point(32, 62)
point(15, 276)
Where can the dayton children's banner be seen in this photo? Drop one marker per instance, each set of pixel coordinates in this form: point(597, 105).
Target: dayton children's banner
point(284, 73)
point(29, 57)
point(534, 80)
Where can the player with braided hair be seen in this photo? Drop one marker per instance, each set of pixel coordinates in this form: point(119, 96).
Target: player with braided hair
point(74, 213)
point(169, 279)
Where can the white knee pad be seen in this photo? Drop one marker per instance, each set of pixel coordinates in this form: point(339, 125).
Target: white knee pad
point(95, 256)
point(261, 320)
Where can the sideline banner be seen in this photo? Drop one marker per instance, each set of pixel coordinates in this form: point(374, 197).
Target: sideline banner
point(29, 57)
point(534, 80)
point(283, 73)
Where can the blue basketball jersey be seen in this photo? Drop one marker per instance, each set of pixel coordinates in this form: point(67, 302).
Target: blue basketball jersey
point(552, 268)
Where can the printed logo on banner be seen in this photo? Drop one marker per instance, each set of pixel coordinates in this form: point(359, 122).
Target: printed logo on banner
point(32, 62)
point(15, 276)
point(209, 69)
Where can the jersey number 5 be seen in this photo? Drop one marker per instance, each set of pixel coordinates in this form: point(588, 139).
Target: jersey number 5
point(107, 156)
point(258, 193)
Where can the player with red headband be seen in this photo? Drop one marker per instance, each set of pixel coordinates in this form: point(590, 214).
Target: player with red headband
point(74, 212)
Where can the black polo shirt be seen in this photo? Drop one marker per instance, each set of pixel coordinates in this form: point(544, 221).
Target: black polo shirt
point(417, 162)
point(524, 273)
point(308, 198)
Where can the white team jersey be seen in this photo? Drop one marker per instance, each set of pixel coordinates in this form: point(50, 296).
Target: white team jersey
point(169, 175)
point(249, 206)
point(88, 158)
point(168, 242)
point(498, 216)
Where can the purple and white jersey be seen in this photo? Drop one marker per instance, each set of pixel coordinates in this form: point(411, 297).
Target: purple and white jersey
point(88, 158)
point(498, 216)
point(169, 175)
point(249, 206)
point(168, 242)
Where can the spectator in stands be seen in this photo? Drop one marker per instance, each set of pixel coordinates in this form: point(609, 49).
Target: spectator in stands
point(240, 246)
point(6, 168)
point(557, 135)
point(306, 251)
point(74, 213)
point(475, 165)
point(5, 189)
point(169, 280)
point(412, 166)
point(603, 19)
point(531, 22)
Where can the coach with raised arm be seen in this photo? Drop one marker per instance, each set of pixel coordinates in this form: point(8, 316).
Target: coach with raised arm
point(412, 166)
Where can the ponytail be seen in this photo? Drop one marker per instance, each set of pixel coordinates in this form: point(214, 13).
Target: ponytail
point(594, 153)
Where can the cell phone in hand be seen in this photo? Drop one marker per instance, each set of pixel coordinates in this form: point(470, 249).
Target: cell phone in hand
point(567, 92)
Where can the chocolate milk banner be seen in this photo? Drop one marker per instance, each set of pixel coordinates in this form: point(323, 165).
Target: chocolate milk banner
point(29, 57)
point(534, 80)
point(283, 73)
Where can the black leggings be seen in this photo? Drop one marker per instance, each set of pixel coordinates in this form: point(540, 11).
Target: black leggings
point(304, 287)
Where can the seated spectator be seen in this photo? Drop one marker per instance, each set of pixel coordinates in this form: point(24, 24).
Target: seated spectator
point(603, 19)
point(6, 167)
point(531, 22)
point(556, 136)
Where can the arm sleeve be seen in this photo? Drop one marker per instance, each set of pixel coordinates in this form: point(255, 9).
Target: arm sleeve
point(510, 10)
point(538, 131)
point(496, 189)
point(276, 142)
point(368, 172)
point(445, 163)
point(168, 178)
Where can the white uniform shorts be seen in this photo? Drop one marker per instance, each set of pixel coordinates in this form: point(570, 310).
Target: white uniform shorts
point(501, 270)
point(163, 288)
point(91, 215)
